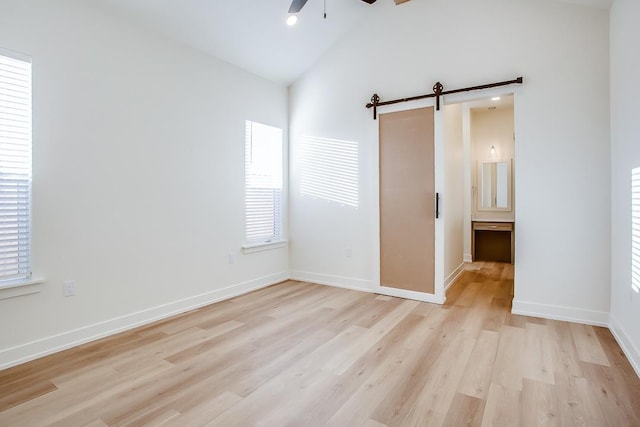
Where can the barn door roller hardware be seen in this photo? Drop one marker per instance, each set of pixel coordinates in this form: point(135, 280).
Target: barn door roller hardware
point(438, 91)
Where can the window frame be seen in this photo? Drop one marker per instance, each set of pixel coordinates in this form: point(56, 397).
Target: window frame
point(24, 275)
point(635, 230)
point(276, 239)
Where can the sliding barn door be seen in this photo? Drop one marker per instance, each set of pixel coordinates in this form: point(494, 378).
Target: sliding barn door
point(407, 200)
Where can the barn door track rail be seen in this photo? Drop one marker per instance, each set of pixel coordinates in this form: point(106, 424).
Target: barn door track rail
point(438, 91)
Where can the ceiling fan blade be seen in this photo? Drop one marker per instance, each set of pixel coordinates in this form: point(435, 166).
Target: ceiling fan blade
point(297, 5)
point(369, 1)
point(400, 1)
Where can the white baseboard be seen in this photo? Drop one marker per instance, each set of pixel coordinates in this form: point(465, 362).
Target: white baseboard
point(453, 276)
point(335, 281)
point(53, 344)
point(556, 312)
point(467, 258)
point(630, 350)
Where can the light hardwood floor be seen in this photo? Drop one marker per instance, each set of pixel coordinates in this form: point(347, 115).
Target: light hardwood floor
point(298, 354)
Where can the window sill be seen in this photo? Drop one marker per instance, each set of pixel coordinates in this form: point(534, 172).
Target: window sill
point(267, 246)
point(20, 288)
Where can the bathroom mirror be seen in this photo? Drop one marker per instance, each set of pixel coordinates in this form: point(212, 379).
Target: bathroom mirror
point(494, 186)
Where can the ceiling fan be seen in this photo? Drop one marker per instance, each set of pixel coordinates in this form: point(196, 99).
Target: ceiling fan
point(297, 5)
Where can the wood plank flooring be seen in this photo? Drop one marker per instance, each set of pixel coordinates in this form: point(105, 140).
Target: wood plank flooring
point(299, 354)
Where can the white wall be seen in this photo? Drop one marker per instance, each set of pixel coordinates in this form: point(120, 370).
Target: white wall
point(138, 154)
point(491, 128)
point(454, 193)
point(561, 119)
point(625, 155)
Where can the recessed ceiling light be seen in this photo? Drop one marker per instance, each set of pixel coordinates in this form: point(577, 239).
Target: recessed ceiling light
point(495, 98)
point(291, 20)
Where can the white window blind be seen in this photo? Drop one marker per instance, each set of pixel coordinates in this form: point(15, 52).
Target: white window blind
point(15, 167)
point(635, 229)
point(263, 183)
point(329, 170)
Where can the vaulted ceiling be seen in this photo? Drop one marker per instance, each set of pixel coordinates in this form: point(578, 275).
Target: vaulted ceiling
point(252, 34)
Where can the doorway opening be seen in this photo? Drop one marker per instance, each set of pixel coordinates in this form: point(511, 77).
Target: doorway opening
point(480, 226)
point(471, 195)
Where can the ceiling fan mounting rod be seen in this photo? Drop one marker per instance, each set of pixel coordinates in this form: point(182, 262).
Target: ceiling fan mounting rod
point(297, 5)
point(437, 93)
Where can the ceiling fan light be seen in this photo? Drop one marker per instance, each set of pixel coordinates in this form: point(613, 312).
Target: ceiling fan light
point(291, 20)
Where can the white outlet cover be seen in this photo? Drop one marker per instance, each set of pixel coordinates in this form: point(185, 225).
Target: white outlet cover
point(69, 288)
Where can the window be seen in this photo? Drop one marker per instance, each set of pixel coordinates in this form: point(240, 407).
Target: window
point(329, 170)
point(635, 229)
point(15, 167)
point(263, 184)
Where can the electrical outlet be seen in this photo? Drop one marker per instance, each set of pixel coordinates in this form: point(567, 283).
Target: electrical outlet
point(348, 252)
point(232, 258)
point(69, 288)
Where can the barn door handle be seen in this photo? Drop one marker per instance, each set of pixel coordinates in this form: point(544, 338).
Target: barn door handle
point(437, 205)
